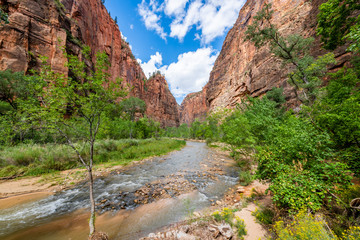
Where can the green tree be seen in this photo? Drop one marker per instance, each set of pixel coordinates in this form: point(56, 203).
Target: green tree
point(335, 20)
point(197, 129)
point(237, 133)
point(13, 86)
point(131, 106)
point(299, 163)
point(338, 113)
point(64, 103)
point(354, 37)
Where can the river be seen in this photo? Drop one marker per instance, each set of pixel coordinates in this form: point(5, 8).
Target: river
point(132, 203)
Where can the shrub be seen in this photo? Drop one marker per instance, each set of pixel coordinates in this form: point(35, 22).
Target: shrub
point(304, 227)
point(241, 227)
point(264, 215)
point(225, 215)
point(245, 178)
point(351, 234)
point(307, 227)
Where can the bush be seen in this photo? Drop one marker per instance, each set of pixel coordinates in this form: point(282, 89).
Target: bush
point(307, 227)
point(351, 234)
point(245, 178)
point(241, 227)
point(227, 215)
point(304, 227)
point(264, 215)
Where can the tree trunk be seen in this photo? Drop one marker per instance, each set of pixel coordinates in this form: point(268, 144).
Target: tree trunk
point(131, 130)
point(92, 202)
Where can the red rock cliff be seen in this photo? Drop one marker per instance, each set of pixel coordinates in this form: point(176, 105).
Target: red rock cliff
point(41, 27)
point(161, 104)
point(194, 106)
point(242, 70)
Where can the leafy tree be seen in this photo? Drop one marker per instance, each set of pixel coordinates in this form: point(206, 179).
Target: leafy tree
point(237, 133)
point(197, 130)
point(184, 131)
point(296, 162)
point(13, 86)
point(335, 20)
point(263, 115)
point(131, 106)
point(338, 113)
point(354, 37)
point(80, 100)
point(292, 50)
point(276, 95)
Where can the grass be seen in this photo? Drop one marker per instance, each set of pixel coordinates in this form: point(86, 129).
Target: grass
point(35, 159)
point(227, 215)
point(264, 215)
point(245, 178)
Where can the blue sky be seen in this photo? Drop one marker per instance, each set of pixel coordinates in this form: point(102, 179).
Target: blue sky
point(181, 38)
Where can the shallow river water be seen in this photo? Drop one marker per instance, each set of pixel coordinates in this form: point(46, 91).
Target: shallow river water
point(65, 214)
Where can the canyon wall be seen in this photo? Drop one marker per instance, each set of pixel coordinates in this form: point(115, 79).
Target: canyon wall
point(241, 69)
point(194, 106)
point(161, 104)
point(43, 27)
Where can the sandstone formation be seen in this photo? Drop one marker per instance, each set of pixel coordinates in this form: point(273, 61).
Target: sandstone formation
point(241, 69)
point(42, 27)
point(161, 104)
point(194, 106)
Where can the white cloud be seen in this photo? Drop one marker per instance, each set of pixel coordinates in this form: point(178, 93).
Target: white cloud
point(213, 18)
point(189, 74)
point(123, 37)
point(181, 26)
point(175, 7)
point(148, 12)
point(131, 26)
point(152, 65)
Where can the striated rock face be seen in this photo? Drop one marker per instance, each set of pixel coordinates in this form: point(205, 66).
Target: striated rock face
point(194, 106)
point(161, 104)
point(42, 27)
point(242, 70)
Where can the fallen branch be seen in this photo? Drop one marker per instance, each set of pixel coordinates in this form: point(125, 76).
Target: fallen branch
point(12, 177)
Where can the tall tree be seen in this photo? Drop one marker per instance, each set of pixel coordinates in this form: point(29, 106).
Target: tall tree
point(13, 86)
point(131, 106)
point(65, 103)
point(335, 20)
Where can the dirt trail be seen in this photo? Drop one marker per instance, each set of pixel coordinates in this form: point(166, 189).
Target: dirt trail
point(254, 230)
